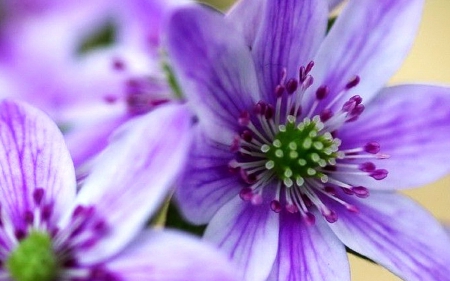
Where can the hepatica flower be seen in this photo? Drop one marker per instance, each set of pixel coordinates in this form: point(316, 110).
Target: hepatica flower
point(91, 65)
point(299, 149)
point(48, 232)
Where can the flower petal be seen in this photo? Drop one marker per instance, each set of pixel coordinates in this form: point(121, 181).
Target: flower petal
point(246, 16)
point(370, 39)
point(308, 253)
point(412, 125)
point(398, 234)
point(214, 67)
point(133, 175)
point(170, 256)
point(207, 183)
point(334, 3)
point(32, 155)
point(248, 234)
point(288, 38)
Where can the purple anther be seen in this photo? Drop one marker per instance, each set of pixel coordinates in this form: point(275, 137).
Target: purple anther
point(357, 110)
point(348, 106)
point(322, 92)
point(29, 217)
point(367, 167)
point(309, 80)
point(330, 190)
point(279, 90)
point(309, 67)
point(326, 115)
point(110, 99)
point(78, 211)
point(347, 191)
point(248, 178)
point(291, 85)
point(307, 201)
point(247, 136)
point(244, 118)
point(118, 64)
point(372, 147)
point(357, 99)
point(353, 82)
point(360, 191)
point(309, 218)
point(246, 194)
point(260, 108)
point(379, 174)
point(269, 112)
point(100, 226)
point(20, 234)
point(302, 74)
point(330, 216)
point(275, 205)
point(235, 144)
point(38, 194)
point(88, 243)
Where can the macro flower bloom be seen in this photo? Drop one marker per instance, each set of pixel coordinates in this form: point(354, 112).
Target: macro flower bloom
point(48, 232)
point(299, 148)
point(91, 65)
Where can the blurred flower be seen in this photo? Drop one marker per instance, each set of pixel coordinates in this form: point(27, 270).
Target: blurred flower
point(91, 65)
point(48, 232)
point(288, 164)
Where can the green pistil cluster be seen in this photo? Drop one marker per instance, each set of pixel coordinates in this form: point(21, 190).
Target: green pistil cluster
point(298, 151)
point(33, 259)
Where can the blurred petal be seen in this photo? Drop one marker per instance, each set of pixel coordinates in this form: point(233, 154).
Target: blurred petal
point(32, 155)
point(214, 68)
point(412, 125)
point(370, 39)
point(248, 234)
point(288, 37)
point(207, 183)
point(309, 253)
point(398, 234)
point(170, 256)
point(134, 174)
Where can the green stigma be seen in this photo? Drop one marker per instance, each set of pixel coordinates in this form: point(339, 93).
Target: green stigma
point(33, 259)
point(298, 151)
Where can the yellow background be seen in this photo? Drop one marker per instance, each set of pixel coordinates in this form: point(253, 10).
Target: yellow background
point(428, 61)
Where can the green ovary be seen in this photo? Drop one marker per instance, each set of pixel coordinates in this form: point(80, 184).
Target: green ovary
point(299, 150)
point(33, 259)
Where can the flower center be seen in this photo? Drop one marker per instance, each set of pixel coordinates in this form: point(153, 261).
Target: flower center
point(33, 259)
point(295, 152)
point(298, 150)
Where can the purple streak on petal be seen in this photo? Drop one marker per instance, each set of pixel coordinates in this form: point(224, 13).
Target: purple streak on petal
point(248, 234)
point(32, 156)
point(134, 173)
point(396, 233)
point(411, 123)
point(207, 182)
point(171, 256)
point(370, 39)
point(213, 65)
point(288, 37)
point(308, 252)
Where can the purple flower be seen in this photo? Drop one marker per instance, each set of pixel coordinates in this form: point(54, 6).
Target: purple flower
point(48, 232)
point(88, 92)
point(299, 149)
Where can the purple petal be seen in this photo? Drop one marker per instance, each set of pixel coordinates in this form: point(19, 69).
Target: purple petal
point(246, 16)
point(207, 183)
point(334, 3)
point(214, 67)
point(398, 234)
point(32, 156)
point(411, 124)
point(309, 253)
point(370, 39)
point(170, 256)
point(248, 234)
point(288, 38)
point(132, 176)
